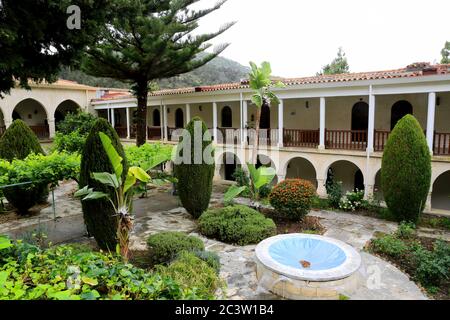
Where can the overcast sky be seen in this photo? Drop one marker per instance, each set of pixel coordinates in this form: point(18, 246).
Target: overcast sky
point(298, 37)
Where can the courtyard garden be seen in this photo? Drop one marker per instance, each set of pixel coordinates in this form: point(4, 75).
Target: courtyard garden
point(117, 229)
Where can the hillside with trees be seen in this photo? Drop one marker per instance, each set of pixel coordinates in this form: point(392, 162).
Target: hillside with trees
point(219, 70)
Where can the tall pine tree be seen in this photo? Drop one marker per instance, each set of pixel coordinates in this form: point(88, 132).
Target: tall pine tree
point(337, 66)
point(150, 40)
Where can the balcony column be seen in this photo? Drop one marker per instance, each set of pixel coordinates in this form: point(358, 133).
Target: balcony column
point(322, 124)
point(431, 119)
point(188, 113)
point(128, 123)
point(215, 122)
point(51, 127)
point(113, 120)
point(161, 121)
point(166, 136)
point(108, 113)
point(281, 124)
point(244, 121)
point(371, 127)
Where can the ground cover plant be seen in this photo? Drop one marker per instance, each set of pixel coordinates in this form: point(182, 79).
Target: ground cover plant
point(70, 272)
point(426, 260)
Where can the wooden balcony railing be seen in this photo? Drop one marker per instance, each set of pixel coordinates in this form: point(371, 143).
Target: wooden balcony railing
point(228, 135)
point(122, 132)
point(154, 133)
point(41, 131)
point(301, 138)
point(267, 137)
point(346, 139)
point(442, 143)
point(380, 139)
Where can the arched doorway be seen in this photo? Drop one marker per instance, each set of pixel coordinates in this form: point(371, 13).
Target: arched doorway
point(156, 118)
point(348, 173)
point(399, 110)
point(230, 164)
point(440, 198)
point(265, 117)
point(34, 115)
point(179, 118)
point(227, 117)
point(64, 108)
point(300, 168)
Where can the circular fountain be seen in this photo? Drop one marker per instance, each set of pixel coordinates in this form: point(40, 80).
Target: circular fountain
point(304, 266)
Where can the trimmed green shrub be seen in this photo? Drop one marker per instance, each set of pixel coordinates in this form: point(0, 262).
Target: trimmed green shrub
point(18, 142)
point(432, 267)
point(99, 215)
point(191, 272)
point(195, 180)
point(406, 170)
point(389, 245)
point(335, 193)
point(165, 246)
point(293, 198)
point(77, 273)
point(211, 258)
point(236, 225)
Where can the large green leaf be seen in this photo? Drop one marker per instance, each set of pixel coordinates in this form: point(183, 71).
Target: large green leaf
point(233, 192)
point(257, 100)
point(265, 177)
point(156, 161)
point(5, 242)
point(106, 178)
point(83, 192)
point(254, 174)
point(140, 174)
point(95, 195)
point(113, 155)
point(129, 182)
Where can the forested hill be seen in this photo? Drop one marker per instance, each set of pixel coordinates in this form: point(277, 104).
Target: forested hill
point(219, 70)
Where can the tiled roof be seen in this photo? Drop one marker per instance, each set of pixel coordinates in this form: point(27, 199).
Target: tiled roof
point(414, 70)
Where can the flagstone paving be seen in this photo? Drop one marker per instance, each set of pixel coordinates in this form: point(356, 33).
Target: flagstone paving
point(162, 212)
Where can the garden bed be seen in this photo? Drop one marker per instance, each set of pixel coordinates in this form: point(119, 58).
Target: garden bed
point(419, 257)
point(308, 224)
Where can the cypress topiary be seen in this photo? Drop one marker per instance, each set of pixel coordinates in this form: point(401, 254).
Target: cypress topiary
point(99, 214)
point(18, 142)
point(406, 170)
point(195, 180)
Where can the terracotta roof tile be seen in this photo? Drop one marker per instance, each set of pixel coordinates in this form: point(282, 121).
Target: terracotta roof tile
point(414, 70)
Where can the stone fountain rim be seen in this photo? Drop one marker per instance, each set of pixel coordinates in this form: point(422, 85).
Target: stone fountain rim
point(351, 264)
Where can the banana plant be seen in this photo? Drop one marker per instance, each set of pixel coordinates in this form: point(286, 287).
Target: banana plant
point(258, 178)
point(123, 193)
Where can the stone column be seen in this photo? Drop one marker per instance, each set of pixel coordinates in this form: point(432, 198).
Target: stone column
point(281, 124)
point(51, 127)
point(368, 191)
point(8, 122)
point(281, 177)
point(321, 189)
point(113, 120)
point(428, 202)
point(322, 123)
point(430, 120)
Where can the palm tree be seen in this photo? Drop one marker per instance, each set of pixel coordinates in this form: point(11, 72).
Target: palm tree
point(261, 83)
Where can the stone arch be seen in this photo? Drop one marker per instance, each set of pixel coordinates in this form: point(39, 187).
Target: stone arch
point(301, 168)
point(64, 108)
point(34, 114)
point(348, 173)
point(440, 196)
point(399, 110)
